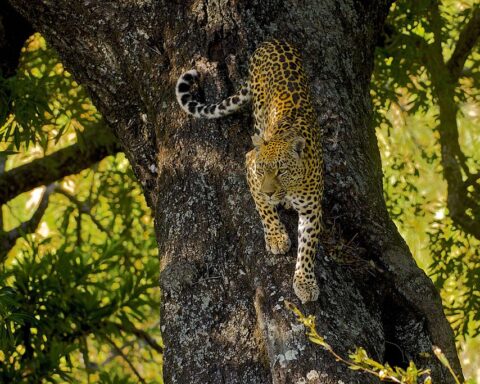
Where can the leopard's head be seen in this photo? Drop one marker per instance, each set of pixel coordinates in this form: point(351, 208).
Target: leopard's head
point(279, 166)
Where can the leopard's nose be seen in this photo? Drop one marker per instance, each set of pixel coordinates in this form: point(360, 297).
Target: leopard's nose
point(270, 193)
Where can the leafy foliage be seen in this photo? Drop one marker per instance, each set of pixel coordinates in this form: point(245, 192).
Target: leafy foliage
point(42, 100)
point(407, 114)
point(54, 300)
point(90, 279)
point(456, 269)
point(79, 297)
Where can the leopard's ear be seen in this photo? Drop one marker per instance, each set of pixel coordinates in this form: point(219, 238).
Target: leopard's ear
point(299, 145)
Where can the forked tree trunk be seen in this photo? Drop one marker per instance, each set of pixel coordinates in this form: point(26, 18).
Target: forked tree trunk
point(222, 312)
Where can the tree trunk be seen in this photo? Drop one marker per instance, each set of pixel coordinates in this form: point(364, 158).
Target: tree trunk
point(223, 318)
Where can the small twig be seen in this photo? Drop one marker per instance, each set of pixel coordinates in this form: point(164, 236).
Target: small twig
point(83, 208)
point(113, 354)
point(124, 357)
point(140, 333)
point(86, 359)
point(360, 360)
point(442, 358)
point(472, 180)
point(350, 241)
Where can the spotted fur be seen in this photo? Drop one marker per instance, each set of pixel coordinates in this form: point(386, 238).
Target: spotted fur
point(285, 167)
point(209, 111)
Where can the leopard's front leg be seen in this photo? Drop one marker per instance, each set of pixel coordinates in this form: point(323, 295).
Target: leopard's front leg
point(309, 228)
point(276, 236)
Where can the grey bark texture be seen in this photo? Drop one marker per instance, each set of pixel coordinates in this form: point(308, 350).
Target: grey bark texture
point(222, 312)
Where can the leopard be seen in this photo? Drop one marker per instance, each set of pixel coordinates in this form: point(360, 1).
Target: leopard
point(285, 166)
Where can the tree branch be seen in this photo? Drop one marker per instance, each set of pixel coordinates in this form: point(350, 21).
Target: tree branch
point(462, 208)
point(466, 41)
point(472, 180)
point(141, 334)
point(113, 354)
point(458, 213)
point(83, 208)
point(8, 239)
point(59, 164)
point(444, 76)
point(124, 357)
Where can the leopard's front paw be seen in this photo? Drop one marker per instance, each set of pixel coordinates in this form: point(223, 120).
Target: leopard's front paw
point(305, 288)
point(277, 243)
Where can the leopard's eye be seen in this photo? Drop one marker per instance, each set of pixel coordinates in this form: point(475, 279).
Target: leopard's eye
point(282, 171)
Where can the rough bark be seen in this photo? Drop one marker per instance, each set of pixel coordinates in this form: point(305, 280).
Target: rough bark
point(223, 319)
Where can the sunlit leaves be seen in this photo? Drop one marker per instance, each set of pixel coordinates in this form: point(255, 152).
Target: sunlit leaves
point(359, 360)
point(42, 102)
point(86, 280)
point(456, 270)
point(51, 300)
point(95, 278)
point(407, 116)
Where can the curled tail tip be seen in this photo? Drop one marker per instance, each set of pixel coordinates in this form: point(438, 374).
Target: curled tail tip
point(188, 77)
point(184, 85)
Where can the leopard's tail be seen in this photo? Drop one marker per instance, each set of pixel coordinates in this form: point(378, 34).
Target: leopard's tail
point(208, 111)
